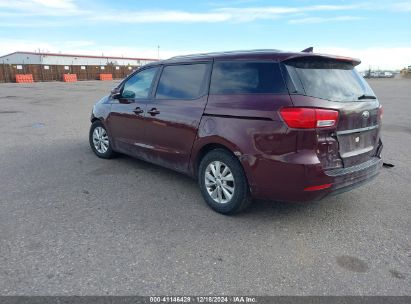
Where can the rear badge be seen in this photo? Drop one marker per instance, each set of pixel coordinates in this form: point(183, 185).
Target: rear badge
point(357, 139)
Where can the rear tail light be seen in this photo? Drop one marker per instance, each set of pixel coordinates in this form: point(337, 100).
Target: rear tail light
point(309, 118)
point(380, 112)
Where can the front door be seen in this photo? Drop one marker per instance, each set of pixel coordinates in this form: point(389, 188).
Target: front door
point(126, 121)
point(174, 113)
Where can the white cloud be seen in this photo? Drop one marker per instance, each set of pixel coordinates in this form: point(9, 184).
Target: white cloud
point(222, 14)
point(376, 57)
point(37, 24)
point(402, 6)
point(69, 7)
point(59, 4)
point(229, 2)
point(312, 20)
point(278, 10)
point(217, 15)
point(42, 7)
point(87, 47)
point(12, 45)
point(160, 16)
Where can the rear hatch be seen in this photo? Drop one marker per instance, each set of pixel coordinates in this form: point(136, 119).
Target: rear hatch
point(335, 84)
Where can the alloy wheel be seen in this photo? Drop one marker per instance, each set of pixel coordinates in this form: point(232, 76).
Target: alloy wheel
point(219, 182)
point(100, 140)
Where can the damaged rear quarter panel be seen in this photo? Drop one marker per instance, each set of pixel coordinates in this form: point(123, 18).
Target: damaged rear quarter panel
point(250, 127)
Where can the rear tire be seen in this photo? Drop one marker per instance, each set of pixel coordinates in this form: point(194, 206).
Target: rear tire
point(223, 183)
point(99, 141)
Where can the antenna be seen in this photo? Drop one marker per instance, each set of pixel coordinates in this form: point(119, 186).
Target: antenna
point(308, 50)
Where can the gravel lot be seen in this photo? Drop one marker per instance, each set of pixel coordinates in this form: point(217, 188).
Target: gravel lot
point(74, 224)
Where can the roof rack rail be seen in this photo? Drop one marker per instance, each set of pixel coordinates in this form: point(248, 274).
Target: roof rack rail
point(226, 53)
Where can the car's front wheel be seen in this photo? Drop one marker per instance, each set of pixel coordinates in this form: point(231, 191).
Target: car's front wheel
point(223, 183)
point(99, 140)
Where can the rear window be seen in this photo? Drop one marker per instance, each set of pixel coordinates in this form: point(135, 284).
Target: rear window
point(325, 79)
point(237, 77)
point(182, 81)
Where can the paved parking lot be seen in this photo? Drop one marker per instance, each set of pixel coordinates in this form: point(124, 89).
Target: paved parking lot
point(74, 224)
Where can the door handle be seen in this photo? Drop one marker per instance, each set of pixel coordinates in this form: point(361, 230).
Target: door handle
point(138, 110)
point(153, 112)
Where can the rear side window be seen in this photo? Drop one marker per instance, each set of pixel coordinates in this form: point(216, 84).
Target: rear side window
point(182, 81)
point(239, 77)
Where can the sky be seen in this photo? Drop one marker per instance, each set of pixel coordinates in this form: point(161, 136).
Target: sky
point(377, 32)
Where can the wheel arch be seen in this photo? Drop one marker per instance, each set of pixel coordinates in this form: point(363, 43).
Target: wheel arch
point(94, 119)
point(202, 147)
point(204, 150)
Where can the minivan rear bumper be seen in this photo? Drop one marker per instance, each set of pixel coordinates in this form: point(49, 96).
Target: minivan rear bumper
point(349, 178)
point(337, 180)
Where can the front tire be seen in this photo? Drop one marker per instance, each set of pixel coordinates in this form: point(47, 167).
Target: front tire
point(223, 183)
point(99, 141)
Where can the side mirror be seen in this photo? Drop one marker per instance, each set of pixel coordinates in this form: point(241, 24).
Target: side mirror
point(115, 93)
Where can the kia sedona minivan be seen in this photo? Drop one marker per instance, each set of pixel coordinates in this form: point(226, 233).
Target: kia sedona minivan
point(247, 124)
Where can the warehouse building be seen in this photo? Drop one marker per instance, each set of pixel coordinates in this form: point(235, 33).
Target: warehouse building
point(68, 59)
point(52, 66)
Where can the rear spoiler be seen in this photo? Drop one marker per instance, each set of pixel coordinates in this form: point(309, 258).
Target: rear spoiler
point(308, 53)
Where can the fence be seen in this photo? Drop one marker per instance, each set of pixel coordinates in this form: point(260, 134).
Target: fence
point(55, 72)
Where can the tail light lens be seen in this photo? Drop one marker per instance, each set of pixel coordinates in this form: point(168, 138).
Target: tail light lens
point(309, 118)
point(319, 187)
point(380, 112)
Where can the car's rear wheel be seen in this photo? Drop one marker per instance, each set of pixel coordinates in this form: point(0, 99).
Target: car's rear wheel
point(223, 183)
point(100, 141)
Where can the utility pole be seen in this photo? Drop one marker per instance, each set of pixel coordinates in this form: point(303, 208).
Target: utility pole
point(158, 52)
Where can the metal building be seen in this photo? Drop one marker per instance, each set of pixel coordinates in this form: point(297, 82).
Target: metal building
point(69, 59)
point(52, 66)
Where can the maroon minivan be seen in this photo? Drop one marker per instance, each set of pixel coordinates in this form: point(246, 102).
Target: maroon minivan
point(247, 124)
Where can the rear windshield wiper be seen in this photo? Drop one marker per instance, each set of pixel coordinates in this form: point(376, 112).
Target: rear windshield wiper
point(364, 96)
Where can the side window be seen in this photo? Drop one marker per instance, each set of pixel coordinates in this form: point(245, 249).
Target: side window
point(138, 86)
point(241, 77)
point(186, 81)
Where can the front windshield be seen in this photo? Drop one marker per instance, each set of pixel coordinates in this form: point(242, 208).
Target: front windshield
point(326, 79)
